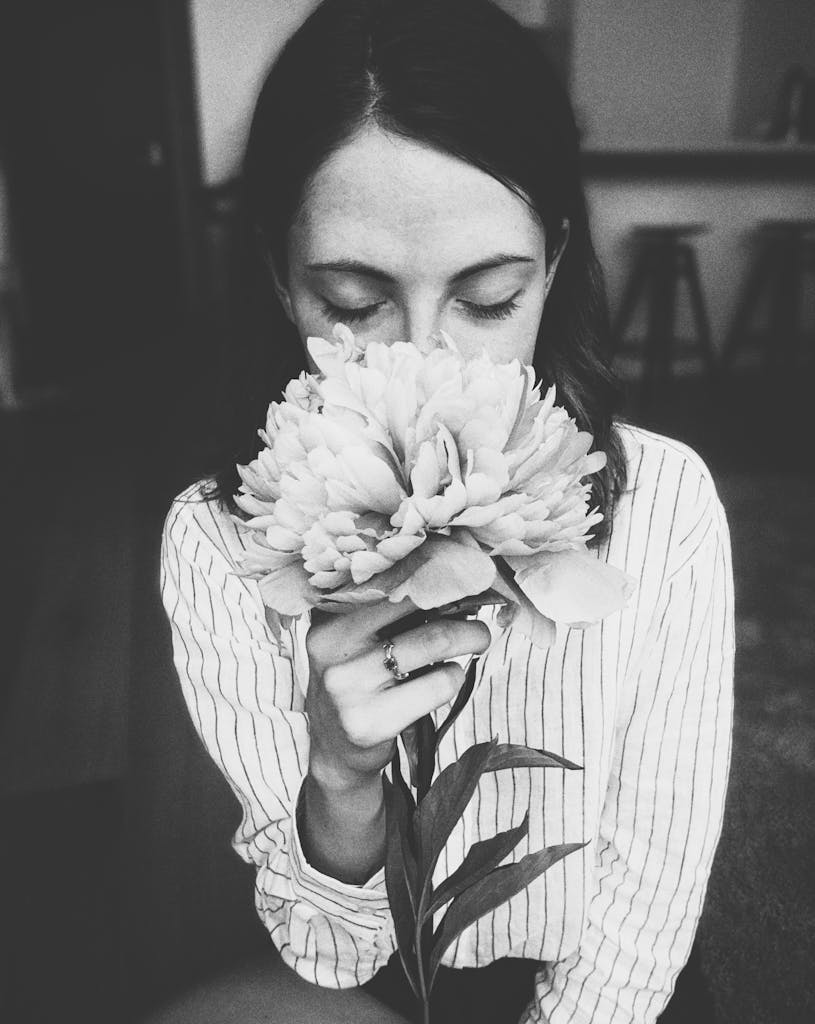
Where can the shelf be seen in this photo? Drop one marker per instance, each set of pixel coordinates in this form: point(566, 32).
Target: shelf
point(771, 160)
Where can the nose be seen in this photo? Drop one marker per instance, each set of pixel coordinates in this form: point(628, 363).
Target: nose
point(422, 319)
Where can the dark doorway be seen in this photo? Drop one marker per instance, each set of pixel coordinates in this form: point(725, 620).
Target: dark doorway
point(86, 144)
point(98, 150)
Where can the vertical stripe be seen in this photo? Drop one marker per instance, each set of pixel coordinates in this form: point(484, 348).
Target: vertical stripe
point(650, 849)
point(648, 536)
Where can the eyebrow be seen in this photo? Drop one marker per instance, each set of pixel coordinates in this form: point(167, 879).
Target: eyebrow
point(349, 266)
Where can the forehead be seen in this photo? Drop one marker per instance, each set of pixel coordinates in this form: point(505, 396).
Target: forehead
point(405, 206)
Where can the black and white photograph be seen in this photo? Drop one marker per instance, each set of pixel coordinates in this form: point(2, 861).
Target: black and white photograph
point(406, 548)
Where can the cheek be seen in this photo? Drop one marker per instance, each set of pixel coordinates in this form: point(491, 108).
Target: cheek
point(307, 314)
point(528, 327)
point(505, 340)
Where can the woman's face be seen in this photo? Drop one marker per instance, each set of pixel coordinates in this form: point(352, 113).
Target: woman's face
point(398, 240)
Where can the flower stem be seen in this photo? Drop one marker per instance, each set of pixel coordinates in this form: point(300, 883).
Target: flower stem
point(426, 744)
point(423, 991)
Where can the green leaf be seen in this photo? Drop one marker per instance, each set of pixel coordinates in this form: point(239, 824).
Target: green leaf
point(426, 754)
point(481, 859)
point(444, 804)
point(406, 826)
point(401, 877)
point(449, 795)
point(490, 892)
point(515, 755)
point(461, 699)
point(410, 741)
point(419, 741)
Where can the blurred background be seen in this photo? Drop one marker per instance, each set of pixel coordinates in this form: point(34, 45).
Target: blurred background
point(121, 126)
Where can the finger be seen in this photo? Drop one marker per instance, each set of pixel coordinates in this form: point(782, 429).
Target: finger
point(367, 618)
point(401, 706)
point(428, 644)
point(339, 637)
point(465, 608)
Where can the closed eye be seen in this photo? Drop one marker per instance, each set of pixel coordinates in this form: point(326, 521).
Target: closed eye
point(350, 314)
point(495, 311)
point(475, 310)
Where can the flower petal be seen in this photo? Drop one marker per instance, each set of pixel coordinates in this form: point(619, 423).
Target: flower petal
point(522, 615)
point(573, 586)
point(425, 477)
point(399, 545)
point(288, 590)
point(594, 463)
point(374, 484)
point(281, 539)
point(365, 564)
point(443, 570)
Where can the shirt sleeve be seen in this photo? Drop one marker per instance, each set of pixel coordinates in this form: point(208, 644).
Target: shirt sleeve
point(663, 810)
point(243, 695)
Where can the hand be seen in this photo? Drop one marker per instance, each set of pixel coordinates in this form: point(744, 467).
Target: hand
point(355, 706)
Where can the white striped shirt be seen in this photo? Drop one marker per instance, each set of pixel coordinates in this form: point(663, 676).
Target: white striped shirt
point(643, 700)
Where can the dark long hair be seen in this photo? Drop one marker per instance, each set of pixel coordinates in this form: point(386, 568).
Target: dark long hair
point(465, 78)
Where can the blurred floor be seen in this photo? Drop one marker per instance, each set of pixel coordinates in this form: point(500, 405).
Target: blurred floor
point(758, 933)
point(116, 865)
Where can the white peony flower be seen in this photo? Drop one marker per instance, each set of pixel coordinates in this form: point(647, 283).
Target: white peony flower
point(400, 472)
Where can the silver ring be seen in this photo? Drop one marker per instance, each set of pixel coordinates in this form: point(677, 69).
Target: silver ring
point(390, 662)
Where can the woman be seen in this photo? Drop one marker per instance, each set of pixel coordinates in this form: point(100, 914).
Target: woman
point(413, 165)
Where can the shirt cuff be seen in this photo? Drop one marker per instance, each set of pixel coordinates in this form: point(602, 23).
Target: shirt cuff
point(366, 905)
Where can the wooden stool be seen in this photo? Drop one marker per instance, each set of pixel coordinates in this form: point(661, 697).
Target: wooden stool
point(663, 259)
point(783, 265)
point(10, 329)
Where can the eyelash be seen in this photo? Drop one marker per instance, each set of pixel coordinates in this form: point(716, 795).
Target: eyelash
point(497, 311)
point(349, 316)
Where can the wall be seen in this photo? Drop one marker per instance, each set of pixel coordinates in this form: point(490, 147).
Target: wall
point(5, 241)
point(233, 46)
point(533, 13)
point(654, 73)
point(770, 43)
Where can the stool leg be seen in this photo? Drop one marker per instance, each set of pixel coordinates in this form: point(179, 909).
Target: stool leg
point(808, 274)
point(630, 298)
point(9, 338)
point(754, 289)
point(700, 314)
point(661, 318)
point(785, 310)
